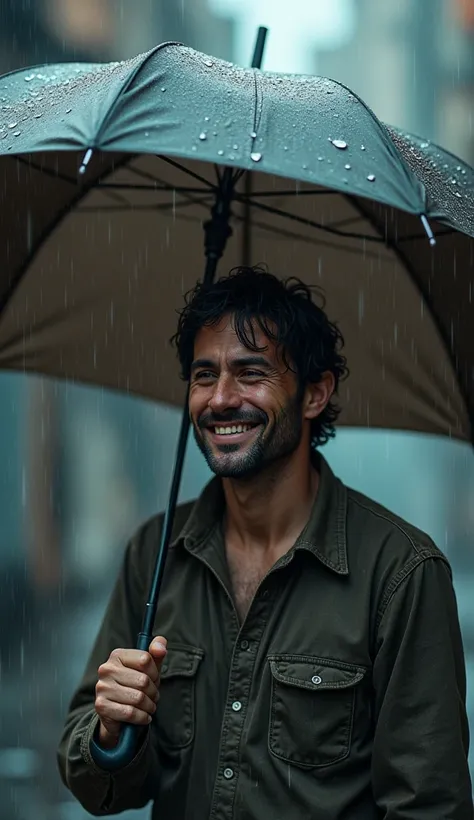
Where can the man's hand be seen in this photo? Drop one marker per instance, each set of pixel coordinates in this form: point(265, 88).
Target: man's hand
point(127, 690)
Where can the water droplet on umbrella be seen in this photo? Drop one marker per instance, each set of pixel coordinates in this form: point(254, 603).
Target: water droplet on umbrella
point(304, 166)
point(228, 123)
point(16, 133)
point(209, 63)
point(163, 88)
point(38, 115)
point(253, 134)
point(362, 147)
point(206, 119)
point(285, 148)
point(193, 148)
point(255, 156)
point(12, 124)
point(371, 177)
point(202, 136)
point(2, 136)
point(68, 111)
point(347, 167)
point(424, 145)
point(29, 78)
point(456, 193)
point(339, 144)
point(220, 152)
point(235, 147)
point(320, 159)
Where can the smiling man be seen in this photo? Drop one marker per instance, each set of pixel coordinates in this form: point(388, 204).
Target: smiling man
point(308, 661)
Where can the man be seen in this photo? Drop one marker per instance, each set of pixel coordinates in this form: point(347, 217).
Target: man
point(309, 662)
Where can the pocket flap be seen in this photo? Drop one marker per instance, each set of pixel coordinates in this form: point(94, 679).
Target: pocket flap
point(181, 661)
point(314, 673)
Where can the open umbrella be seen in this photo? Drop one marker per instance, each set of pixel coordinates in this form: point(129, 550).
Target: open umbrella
point(109, 173)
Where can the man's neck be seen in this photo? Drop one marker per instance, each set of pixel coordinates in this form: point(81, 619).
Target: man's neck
point(269, 511)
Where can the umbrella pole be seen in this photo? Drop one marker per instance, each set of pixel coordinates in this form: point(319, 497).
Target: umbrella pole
point(216, 233)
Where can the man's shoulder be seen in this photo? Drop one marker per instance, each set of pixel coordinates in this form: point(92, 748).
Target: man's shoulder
point(149, 532)
point(382, 531)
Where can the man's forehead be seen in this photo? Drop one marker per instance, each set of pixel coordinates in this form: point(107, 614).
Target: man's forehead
point(223, 336)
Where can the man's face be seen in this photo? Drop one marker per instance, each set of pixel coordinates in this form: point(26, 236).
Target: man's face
point(245, 407)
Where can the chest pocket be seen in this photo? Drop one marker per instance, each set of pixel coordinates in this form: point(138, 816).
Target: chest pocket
point(312, 709)
point(175, 716)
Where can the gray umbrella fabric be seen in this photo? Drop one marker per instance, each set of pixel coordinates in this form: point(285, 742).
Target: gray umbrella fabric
point(94, 265)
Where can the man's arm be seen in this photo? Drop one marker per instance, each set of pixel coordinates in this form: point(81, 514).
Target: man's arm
point(98, 791)
point(420, 768)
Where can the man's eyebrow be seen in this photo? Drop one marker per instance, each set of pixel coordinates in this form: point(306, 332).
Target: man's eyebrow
point(197, 363)
point(249, 361)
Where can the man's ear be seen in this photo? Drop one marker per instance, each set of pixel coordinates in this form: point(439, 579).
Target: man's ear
point(318, 395)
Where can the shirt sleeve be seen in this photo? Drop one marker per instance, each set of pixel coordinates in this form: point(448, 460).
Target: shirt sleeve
point(98, 791)
point(420, 761)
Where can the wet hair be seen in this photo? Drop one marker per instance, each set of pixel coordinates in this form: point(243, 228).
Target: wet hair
point(286, 314)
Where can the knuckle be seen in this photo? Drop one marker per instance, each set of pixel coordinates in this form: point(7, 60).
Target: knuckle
point(142, 660)
point(139, 696)
point(99, 703)
point(142, 681)
point(128, 711)
point(116, 653)
point(100, 686)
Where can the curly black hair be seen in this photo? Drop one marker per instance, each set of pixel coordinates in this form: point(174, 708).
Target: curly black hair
point(286, 313)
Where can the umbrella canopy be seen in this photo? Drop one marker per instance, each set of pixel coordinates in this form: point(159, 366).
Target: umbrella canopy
point(94, 266)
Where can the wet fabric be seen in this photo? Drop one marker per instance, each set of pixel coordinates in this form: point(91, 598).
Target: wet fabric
point(340, 697)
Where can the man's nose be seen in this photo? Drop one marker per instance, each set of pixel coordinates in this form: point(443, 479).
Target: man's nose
point(225, 395)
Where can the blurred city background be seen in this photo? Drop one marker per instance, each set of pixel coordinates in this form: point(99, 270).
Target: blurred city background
point(82, 467)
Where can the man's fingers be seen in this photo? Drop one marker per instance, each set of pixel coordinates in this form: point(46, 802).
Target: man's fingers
point(158, 651)
point(128, 697)
point(127, 678)
point(121, 712)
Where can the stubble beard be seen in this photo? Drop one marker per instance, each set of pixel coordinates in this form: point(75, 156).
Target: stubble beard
point(280, 443)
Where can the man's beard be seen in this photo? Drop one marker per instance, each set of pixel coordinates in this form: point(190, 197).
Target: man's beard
point(267, 447)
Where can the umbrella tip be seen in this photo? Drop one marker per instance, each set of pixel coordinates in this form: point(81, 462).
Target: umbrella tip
point(85, 161)
point(428, 230)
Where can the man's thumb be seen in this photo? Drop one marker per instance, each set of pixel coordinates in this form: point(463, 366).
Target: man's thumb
point(157, 647)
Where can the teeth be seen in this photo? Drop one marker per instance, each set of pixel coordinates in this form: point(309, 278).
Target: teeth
point(235, 428)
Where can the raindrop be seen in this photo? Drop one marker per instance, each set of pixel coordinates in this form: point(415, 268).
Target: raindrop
point(339, 144)
point(220, 152)
point(163, 88)
point(424, 145)
point(12, 124)
point(29, 78)
point(202, 136)
point(320, 159)
point(456, 193)
point(38, 115)
point(347, 167)
point(228, 123)
point(253, 134)
point(209, 63)
point(362, 147)
point(235, 147)
point(16, 133)
point(305, 167)
point(285, 148)
point(2, 136)
point(206, 119)
point(68, 111)
point(371, 177)
point(255, 156)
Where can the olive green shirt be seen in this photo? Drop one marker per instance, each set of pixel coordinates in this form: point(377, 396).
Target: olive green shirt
point(340, 697)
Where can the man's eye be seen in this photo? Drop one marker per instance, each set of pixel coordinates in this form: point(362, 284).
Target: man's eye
point(203, 375)
point(252, 374)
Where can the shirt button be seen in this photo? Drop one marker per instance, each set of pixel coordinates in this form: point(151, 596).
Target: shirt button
point(316, 679)
point(244, 645)
point(228, 774)
point(237, 706)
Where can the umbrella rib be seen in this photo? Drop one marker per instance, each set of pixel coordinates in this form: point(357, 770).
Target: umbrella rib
point(163, 206)
point(129, 186)
point(185, 170)
point(311, 223)
point(47, 171)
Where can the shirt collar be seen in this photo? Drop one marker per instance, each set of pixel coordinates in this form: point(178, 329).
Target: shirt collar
point(324, 535)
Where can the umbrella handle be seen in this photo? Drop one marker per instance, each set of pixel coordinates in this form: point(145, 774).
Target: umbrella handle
point(111, 760)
